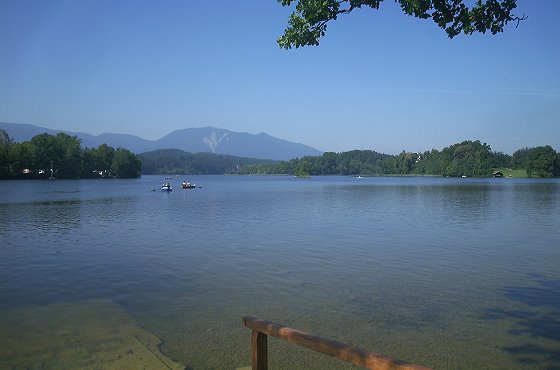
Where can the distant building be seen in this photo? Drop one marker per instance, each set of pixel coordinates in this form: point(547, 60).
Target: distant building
point(497, 174)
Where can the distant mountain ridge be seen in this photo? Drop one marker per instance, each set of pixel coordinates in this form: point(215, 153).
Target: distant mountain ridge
point(193, 140)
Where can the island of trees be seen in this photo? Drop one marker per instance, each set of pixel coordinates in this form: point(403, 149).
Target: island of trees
point(62, 153)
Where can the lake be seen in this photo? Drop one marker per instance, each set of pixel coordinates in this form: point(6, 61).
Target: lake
point(447, 273)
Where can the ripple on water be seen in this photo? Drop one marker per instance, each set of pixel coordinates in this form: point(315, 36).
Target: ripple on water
point(429, 270)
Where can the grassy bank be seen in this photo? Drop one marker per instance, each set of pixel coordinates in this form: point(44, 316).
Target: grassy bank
point(508, 172)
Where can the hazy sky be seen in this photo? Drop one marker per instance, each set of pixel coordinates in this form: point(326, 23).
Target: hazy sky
point(379, 80)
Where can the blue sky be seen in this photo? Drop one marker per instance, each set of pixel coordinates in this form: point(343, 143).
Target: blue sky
point(379, 80)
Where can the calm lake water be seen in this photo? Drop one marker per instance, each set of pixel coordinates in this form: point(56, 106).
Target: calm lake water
point(448, 273)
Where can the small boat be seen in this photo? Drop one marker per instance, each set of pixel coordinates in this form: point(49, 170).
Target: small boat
point(187, 185)
point(166, 187)
point(359, 177)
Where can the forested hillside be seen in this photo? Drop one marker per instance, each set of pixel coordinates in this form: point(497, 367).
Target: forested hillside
point(175, 161)
point(469, 158)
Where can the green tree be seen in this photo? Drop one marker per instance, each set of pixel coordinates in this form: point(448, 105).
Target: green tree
point(403, 163)
point(87, 164)
point(326, 164)
point(499, 159)
point(62, 152)
point(303, 168)
point(44, 150)
point(520, 159)
point(543, 162)
point(309, 20)
point(20, 157)
point(125, 164)
point(540, 161)
point(103, 156)
point(69, 156)
point(5, 144)
point(469, 158)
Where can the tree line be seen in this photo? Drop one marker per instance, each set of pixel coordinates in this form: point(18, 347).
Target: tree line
point(175, 161)
point(468, 158)
point(63, 154)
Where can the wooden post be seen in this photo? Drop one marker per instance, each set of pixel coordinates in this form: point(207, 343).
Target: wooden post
point(262, 328)
point(259, 351)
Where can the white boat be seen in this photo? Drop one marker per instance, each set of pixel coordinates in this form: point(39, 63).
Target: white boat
point(187, 185)
point(166, 187)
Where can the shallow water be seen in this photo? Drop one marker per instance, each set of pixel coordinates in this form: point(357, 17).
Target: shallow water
point(91, 334)
point(449, 273)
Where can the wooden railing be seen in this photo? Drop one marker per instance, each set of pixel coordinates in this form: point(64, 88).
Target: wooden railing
point(259, 347)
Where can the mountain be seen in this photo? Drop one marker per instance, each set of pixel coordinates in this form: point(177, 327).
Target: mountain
point(220, 141)
point(193, 140)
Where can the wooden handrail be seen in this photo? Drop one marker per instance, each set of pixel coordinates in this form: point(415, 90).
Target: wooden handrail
point(259, 352)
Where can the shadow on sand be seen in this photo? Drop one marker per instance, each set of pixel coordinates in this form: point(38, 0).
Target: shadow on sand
point(540, 322)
